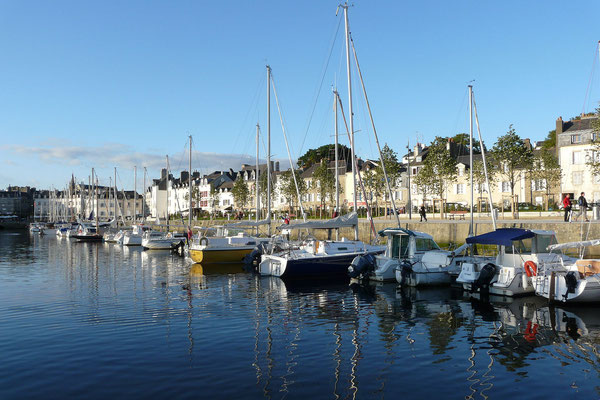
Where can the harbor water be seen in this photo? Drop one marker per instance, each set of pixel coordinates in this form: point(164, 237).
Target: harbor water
point(94, 320)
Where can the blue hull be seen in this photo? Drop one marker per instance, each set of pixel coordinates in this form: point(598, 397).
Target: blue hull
point(319, 267)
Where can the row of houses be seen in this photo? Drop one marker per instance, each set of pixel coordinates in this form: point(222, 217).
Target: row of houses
point(213, 192)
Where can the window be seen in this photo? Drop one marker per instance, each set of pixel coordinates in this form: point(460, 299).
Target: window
point(519, 247)
point(575, 139)
point(460, 188)
point(576, 158)
point(577, 178)
point(506, 187)
point(399, 246)
point(426, 244)
point(461, 170)
point(538, 185)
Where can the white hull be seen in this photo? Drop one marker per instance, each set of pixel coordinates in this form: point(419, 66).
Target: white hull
point(132, 240)
point(586, 291)
point(512, 282)
point(424, 278)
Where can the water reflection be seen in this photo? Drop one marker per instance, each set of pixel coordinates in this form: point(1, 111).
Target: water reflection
point(136, 314)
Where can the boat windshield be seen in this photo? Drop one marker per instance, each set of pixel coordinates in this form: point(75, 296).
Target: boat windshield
point(424, 244)
point(543, 241)
point(519, 247)
point(399, 246)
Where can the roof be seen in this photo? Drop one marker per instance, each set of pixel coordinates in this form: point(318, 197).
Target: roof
point(573, 126)
point(501, 236)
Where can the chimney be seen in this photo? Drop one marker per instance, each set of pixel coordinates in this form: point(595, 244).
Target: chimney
point(185, 176)
point(163, 173)
point(527, 143)
point(559, 126)
point(277, 166)
point(417, 150)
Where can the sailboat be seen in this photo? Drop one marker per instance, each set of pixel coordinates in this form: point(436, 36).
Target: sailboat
point(225, 247)
point(88, 232)
point(324, 258)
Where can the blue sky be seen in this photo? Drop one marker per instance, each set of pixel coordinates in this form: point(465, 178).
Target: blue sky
point(113, 83)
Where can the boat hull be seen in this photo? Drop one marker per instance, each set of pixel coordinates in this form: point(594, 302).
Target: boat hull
point(223, 255)
point(335, 266)
point(87, 238)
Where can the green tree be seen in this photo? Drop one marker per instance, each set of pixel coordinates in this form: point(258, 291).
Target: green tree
point(240, 192)
point(314, 156)
point(513, 157)
point(479, 176)
point(324, 179)
point(439, 168)
point(392, 168)
point(550, 141)
point(594, 161)
point(547, 169)
point(262, 188)
point(372, 186)
point(463, 140)
point(288, 187)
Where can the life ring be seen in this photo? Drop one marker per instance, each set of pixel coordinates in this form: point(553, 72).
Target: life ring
point(530, 268)
point(204, 241)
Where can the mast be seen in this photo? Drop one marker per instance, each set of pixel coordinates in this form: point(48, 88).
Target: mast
point(134, 192)
point(256, 176)
point(190, 187)
point(337, 178)
point(351, 115)
point(115, 198)
point(269, 149)
point(471, 230)
point(167, 211)
point(144, 198)
point(409, 196)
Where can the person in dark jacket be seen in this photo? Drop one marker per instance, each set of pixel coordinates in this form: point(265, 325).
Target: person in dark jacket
point(567, 206)
point(422, 213)
point(583, 205)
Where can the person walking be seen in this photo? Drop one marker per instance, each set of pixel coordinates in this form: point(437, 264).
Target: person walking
point(422, 213)
point(583, 205)
point(567, 207)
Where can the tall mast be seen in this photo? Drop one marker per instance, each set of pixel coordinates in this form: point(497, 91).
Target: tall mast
point(115, 198)
point(190, 187)
point(167, 212)
point(144, 198)
point(134, 193)
point(336, 156)
point(256, 176)
point(471, 230)
point(409, 196)
point(351, 116)
point(337, 179)
point(269, 149)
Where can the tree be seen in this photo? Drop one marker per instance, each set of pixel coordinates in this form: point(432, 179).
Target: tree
point(215, 195)
point(392, 168)
point(314, 156)
point(439, 168)
point(240, 192)
point(463, 140)
point(513, 157)
point(324, 179)
point(195, 196)
point(262, 188)
point(550, 141)
point(546, 169)
point(594, 161)
point(372, 185)
point(288, 186)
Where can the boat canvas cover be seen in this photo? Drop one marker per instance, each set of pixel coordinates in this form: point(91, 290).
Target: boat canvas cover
point(343, 221)
point(501, 236)
point(572, 245)
point(249, 224)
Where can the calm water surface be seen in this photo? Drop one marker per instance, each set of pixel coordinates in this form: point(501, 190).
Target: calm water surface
point(105, 321)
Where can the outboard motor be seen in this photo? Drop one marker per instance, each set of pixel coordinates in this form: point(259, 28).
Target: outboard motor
point(361, 266)
point(485, 277)
point(571, 282)
point(252, 259)
point(405, 271)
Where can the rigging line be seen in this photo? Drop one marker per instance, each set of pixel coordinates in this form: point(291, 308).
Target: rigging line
point(587, 90)
point(360, 181)
point(253, 106)
point(293, 172)
point(324, 71)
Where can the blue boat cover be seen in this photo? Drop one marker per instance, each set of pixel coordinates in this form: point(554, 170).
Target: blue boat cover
point(501, 236)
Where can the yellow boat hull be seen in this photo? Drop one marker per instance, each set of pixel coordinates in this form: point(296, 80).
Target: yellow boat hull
point(208, 256)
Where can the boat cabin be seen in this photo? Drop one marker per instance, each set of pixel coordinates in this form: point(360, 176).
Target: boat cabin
point(404, 243)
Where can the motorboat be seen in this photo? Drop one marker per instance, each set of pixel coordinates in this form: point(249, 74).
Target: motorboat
point(520, 251)
point(315, 258)
point(86, 233)
point(134, 236)
point(223, 249)
point(411, 258)
point(155, 240)
point(569, 282)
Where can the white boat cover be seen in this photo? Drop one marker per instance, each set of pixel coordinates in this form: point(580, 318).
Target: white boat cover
point(570, 245)
point(249, 224)
point(343, 221)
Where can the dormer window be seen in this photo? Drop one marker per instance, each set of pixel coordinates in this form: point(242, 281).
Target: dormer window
point(575, 139)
